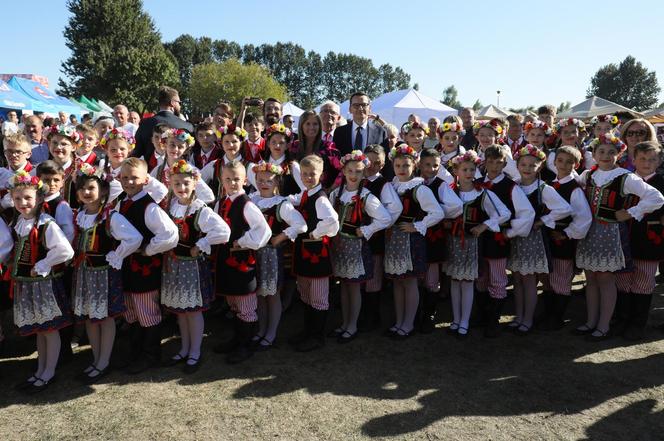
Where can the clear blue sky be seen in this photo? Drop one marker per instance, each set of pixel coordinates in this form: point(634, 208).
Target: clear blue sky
point(534, 52)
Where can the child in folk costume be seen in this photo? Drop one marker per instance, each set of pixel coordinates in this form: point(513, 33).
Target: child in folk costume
point(207, 148)
point(537, 132)
point(285, 223)
point(563, 238)
point(605, 249)
point(414, 134)
point(635, 288)
point(62, 142)
point(17, 151)
point(186, 282)
point(41, 306)
point(492, 281)
point(141, 271)
point(361, 214)
point(231, 138)
point(429, 167)
point(489, 133)
point(569, 134)
point(253, 146)
point(449, 137)
point(178, 144)
point(383, 190)
point(53, 177)
point(482, 210)
point(311, 263)
point(85, 152)
point(236, 259)
point(103, 239)
point(405, 246)
point(159, 144)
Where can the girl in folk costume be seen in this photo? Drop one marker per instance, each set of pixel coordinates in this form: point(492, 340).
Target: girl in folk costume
point(103, 239)
point(405, 246)
point(278, 140)
point(537, 132)
point(231, 138)
point(187, 279)
point(85, 152)
point(482, 210)
point(178, 144)
point(568, 132)
point(603, 125)
point(449, 137)
point(528, 255)
point(414, 134)
point(285, 223)
point(62, 142)
point(605, 249)
point(489, 133)
point(361, 214)
point(41, 306)
point(311, 262)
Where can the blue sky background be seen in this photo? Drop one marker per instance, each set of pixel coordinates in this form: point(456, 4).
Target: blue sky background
point(534, 52)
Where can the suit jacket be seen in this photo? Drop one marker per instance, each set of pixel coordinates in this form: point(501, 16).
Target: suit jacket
point(144, 147)
point(343, 137)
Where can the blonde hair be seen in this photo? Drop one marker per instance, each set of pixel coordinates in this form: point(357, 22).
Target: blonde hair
point(16, 139)
point(233, 166)
point(391, 129)
point(135, 163)
point(652, 134)
point(570, 150)
point(312, 161)
point(86, 130)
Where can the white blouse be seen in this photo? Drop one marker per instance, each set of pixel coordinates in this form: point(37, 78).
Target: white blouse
point(380, 218)
point(209, 222)
point(203, 191)
point(328, 220)
point(497, 211)
point(559, 208)
point(389, 198)
point(524, 213)
point(64, 217)
point(121, 230)
point(426, 200)
point(581, 215)
point(288, 213)
point(59, 248)
point(293, 166)
point(259, 232)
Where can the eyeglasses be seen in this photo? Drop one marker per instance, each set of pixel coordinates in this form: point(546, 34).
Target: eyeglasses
point(15, 152)
point(177, 101)
point(636, 133)
point(360, 105)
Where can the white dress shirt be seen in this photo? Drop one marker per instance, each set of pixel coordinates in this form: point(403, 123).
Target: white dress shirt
point(380, 218)
point(426, 200)
point(296, 223)
point(215, 230)
point(59, 248)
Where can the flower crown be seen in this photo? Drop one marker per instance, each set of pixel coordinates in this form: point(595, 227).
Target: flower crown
point(88, 170)
point(278, 128)
point(605, 118)
point(537, 124)
point(181, 135)
point(469, 156)
point(407, 127)
point(182, 167)
point(66, 131)
point(451, 127)
point(355, 155)
point(609, 139)
point(23, 179)
point(118, 134)
point(403, 150)
point(530, 150)
point(231, 129)
point(570, 122)
point(492, 124)
point(268, 167)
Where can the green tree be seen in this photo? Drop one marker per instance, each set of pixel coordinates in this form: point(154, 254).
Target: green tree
point(477, 106)
point(231, 81)
point(450, 97)
point(563, 106)
point(117, 55)
point(629, 84)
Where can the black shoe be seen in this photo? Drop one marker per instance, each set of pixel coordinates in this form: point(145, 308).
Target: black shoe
point(582, 330)
point(542, 319)
point(243, 350)
point(401, 335)
point(190, 368)
point(452, 329)
point(601, 336)
point(25, 384)
point(494, 308)
point(101, 373)
point(38, 386)
point(306, 330)
point(346, 337)
point(263, 345)
point(639, 317)
point(621, 313)
point(174, 360)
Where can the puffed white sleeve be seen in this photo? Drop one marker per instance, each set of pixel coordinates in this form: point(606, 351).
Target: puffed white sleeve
point(550, 162)
point(582, 218)
point(251, 176)
point(295, 171)
point(328, 220)
point(588, 160)
point(204, 192)
point(164, 229)
point(524, 214)
point(445, 175)
point(296, 223)
point(59, 250)
point(115, 190)
point(649, 198)
point(130, 240)
point(216, 230)
point(430, 205)
point(558, 206)
point(380, 218)
point(390, 199)
point(156, 189)
point(259, 231)
point(511, 170)
point(6, 241)
point(207, 174)
point(497, 211)
point(64, 217)
point(296, 198)
point(6, 201)
point(452, 204)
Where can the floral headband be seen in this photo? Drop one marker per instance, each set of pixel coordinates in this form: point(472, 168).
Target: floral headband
point(469, 156)
point(88, 170)
point(181, 135)
point(278, 129)
point(492, 124)
point(451, 127)
point(403, 150)
point(605, 118)
point(570, 122)
point(23, 179)
point(355, 155)
point(231, 129)
point(118, 134)
point(537, 124)
point(66, 131)
point(267, 167)
point(407, 127)
point(609, 139)
point(530, 150)
point(182, 167)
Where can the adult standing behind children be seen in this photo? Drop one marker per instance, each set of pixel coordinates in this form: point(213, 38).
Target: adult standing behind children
point(359, 132)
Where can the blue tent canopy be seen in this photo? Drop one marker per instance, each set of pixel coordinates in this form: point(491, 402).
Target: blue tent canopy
point(11, 99)
point(43, 99)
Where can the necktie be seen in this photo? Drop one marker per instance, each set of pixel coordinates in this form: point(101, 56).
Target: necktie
point(124, 205)
point(359, 142)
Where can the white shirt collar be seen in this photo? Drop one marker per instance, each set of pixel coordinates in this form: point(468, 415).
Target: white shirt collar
point(277, 161)
point(313, 190)
point(364, 126)
point(564, 180)
point(138, 195)
point(51, 197)
point(495, 180)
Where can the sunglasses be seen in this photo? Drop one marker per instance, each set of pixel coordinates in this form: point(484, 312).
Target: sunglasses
point(636, 133)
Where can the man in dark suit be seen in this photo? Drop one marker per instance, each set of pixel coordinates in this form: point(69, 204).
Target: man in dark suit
point(169, 114)
point(359, 132)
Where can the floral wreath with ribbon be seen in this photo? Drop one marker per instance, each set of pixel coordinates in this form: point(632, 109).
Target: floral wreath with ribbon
point(493, 124)
point(468, 156)
point(88, 170)
point(66, 131)
point(118, 134)
point(231, 129)
point(530, 150)
point(407, 127)
point(280, 129)
point(608, 139)
point(537, 124)
point(268, 167)
point(23, 179)
point(355, 155)
point(403, 150)
point(612, 119)
point(182, 167)
point(181, 135)
point(451, 127)
point(570, 122)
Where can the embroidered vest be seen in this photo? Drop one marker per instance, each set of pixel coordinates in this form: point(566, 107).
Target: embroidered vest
point(94, 243)
point(606, 200)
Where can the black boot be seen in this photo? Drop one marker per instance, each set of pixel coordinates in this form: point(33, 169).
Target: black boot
point(151, 354)
point(542, 320)
point(428, 317)
point(495, 307)
point(66, 353)
point(363, 318)
point(306, 327)
point(228, 346)
point(557, 318)
point(243, 350)
point(639, 318)
point(131, 346)
point(621, 313)
point(316, 338)
point(372, 302)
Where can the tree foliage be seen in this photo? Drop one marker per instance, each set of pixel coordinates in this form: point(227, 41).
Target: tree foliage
point(450, 97)
point(563, 106)
point(231, 81)
point(117, 55)
point(478, 105)
point(629, 84)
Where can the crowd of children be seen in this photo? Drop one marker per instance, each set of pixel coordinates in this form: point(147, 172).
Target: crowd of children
point(93, 235)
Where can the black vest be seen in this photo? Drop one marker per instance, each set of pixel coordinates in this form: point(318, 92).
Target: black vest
point(473, 214)
point(412, 211)
point(647, 235)
point(564, 248)
point(311, 258)
point(188, 233)
point(26, 253)
point(496, 245)
point(51, 206)
point(435, 237)
point(348, 222)
point(605, 201)
point(377, 241)
point(274, 220)
point(91, 249)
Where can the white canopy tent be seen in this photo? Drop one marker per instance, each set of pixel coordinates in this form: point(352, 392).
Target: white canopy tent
point(594, 106)
point(394, 107)
point(491, 111)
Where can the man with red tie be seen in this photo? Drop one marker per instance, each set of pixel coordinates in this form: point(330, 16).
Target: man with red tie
point(330, 114)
